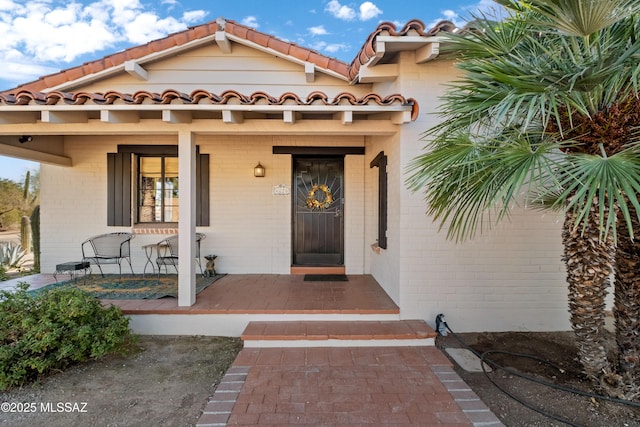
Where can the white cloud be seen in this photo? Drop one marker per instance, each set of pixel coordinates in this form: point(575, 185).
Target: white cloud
point(318, 30)
point(21, 71)
point(319, 46)
point(336, 47)
point(54, 30)
point(340, 11)
point(330, 48)
point(368, 10)
point(250, 21)
point(482, 7)
point(146, 26)
point(194, 16)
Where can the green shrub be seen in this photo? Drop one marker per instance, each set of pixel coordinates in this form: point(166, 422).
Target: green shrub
point(52, 330)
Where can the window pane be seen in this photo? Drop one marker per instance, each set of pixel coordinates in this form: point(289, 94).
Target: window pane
point(158, 189)
point(150, 173)
point(171, 199)
point(171, 189)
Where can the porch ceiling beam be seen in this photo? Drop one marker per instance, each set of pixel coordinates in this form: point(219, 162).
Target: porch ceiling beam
point(223, 42)
point(254, 108)
point(171, 116)
point(379, 73)
point(33, 155)
point(233, 117)
point(60, 117)
point(18, 117)
point(134, 69)
point(373, 126)
point(114, 116)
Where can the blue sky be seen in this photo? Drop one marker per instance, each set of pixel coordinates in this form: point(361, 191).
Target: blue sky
point(41, 37)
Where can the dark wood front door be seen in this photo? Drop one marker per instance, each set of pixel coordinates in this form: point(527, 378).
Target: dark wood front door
point(318, 204)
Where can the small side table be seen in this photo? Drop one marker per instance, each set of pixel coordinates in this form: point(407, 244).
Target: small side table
point(73, 268)
point(148, 251)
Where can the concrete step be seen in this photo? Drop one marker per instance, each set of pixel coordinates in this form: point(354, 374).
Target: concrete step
point(398, 333)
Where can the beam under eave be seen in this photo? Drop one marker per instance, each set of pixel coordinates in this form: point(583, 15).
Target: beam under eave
point(223, 42)
point(310, 72)
point(379, 73)
point(18, 117)
point(401, 117)
point(233, 117)
point(427, 53)
point(136, 70)
point(59, 117)
point(289, 117)
point(170, 116)
point(111, 116)
point(345, 117)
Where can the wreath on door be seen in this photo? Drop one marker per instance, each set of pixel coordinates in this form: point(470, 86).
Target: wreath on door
point(313, 203)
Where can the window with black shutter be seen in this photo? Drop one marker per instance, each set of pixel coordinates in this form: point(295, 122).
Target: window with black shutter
point(155, 186)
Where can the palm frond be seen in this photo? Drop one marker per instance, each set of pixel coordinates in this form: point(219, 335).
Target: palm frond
point(582, 18)
point(610, 183)
point(465, 182)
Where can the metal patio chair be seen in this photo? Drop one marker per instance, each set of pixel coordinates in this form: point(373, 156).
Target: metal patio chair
point(110, 248)
point(167, 250)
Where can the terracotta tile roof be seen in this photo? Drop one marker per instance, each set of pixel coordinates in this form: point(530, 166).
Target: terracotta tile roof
point(238, 30)
point(415, 26)
point(26, 97)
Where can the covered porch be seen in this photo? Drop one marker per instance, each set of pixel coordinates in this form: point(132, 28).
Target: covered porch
point(227, 306)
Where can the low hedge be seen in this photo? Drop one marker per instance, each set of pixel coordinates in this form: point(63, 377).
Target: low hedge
point(52, 330)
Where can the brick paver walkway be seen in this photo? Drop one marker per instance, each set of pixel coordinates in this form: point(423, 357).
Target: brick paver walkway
point(412, 386)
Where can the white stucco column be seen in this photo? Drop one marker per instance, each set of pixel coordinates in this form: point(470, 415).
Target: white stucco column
point(187, 218)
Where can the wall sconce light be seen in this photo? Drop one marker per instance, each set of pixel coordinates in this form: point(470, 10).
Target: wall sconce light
point(25, 138)
point(259, 171)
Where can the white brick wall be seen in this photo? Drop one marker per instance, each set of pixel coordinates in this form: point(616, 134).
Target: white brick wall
point(510, 278)
point(250, 227)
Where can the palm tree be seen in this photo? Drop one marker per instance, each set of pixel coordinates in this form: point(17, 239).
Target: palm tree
point(546, 112)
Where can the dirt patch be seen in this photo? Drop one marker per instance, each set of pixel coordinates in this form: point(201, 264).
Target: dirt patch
point(558, 348)
point(165, 384)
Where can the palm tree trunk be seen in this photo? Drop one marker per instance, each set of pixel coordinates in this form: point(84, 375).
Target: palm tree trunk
point(626, 307)
point(589, 264)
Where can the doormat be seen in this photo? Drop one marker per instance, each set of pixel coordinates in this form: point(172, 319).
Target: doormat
point(112, 286)
point(325, 278)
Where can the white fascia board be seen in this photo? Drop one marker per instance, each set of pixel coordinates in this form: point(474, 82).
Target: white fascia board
point(282, 55)
point(90, 78)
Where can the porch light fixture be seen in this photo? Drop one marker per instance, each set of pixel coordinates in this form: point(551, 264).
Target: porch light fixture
point(25, 138)
point(259, 171)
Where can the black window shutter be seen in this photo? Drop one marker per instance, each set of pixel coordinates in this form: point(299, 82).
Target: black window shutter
point(119, 189)
point(380, 161)
point(202, 190)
